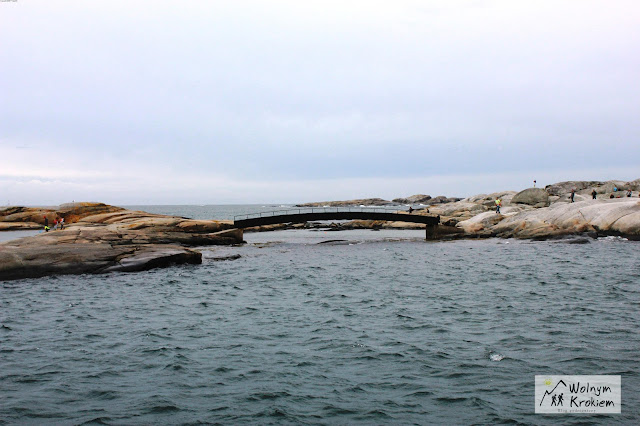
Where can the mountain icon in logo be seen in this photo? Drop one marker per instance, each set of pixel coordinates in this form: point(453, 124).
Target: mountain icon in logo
point(552, 393)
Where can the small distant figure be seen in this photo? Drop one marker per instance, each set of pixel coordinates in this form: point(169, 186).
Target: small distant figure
point(611, 196)
point(629, 193)
point(534, 183)
point(593, 194)
point(61, 223)
point(615, 189)
point(410, 209)
point(573, 194)
point(46, 224)
point(498, 205)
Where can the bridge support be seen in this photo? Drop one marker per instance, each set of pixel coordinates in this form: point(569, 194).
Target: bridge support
point(430, 232)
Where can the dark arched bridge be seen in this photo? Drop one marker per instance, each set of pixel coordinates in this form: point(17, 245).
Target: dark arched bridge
point(302, 215)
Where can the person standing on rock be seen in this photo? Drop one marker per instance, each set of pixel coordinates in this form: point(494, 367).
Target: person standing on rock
point(498, 205)
point(573, 193)
point(46, 224)
point(61, 223)
point(629, 193)
point(593, 194)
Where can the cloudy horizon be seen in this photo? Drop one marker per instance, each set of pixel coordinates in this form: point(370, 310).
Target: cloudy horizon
point(284, 102)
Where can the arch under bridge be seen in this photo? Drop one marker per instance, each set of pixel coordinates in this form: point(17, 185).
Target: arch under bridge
point(301, 215)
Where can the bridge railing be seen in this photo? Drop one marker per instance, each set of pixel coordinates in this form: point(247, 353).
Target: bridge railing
point(303, 210)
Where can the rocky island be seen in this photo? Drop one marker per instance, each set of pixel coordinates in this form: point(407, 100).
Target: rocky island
point(535, 213)
point(99, 238)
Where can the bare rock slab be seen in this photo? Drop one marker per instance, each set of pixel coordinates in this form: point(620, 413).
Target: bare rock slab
point(33, 261)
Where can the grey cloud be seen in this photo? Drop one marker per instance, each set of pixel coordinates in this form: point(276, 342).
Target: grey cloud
point(289, 90)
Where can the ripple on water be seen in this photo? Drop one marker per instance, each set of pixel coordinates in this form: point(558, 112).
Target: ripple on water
point(380, 332)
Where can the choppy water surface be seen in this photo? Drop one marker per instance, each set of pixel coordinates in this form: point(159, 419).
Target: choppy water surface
point(380, 328)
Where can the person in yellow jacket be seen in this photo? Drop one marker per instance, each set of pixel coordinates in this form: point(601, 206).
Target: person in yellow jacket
point(498, 204)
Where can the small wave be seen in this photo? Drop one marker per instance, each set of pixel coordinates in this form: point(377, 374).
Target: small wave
point(223, 370)
point(98, 421)
point(333, 410)
point(451, 399)
point(276, 412)
point(174, 367)
point(159, 409)
point(261, 396)
point(102, 395)
point(421, 393)
point(377, 414)
point(103, 374)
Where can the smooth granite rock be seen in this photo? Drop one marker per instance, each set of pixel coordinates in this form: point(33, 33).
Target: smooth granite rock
point(606, 217)
point(113, 239)
point(536, 197)
point(414, 199)
point(347, 203)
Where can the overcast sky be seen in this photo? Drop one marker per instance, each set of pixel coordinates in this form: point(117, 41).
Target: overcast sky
point(215, 102)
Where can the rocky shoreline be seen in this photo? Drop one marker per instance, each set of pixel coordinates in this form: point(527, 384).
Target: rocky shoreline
point(99, 238)
point(534, 213)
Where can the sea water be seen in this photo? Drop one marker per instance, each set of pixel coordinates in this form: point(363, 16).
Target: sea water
point(321, 327)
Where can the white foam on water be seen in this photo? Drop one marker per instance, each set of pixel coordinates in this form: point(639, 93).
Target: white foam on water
point(496, 357)
point(612, 239)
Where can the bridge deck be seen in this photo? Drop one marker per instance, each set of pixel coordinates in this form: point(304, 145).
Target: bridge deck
point(330, 213)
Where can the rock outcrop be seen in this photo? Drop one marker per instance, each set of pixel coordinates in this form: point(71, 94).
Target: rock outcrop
point(536, 197)
point(480, 222)
point(441, 199)
point(19, 226)
point(634, 185)
point(604, 217)
point(414, 199)
point(584, 187)
point(545, 213)
point(562, 188)
point(30, 259)
point(359, 202)
point(112, 239)
point(101, 238)
point(488, 200)
point(71, 212)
